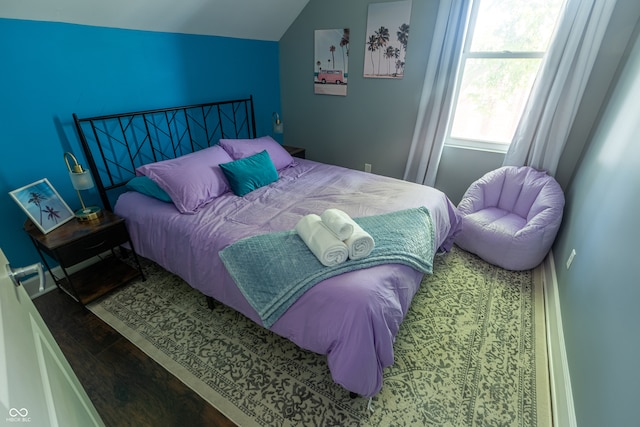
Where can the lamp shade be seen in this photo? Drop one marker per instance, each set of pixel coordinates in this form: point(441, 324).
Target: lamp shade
point(81, 180)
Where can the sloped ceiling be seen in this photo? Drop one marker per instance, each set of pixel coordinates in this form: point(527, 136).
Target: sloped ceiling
point(247, 19)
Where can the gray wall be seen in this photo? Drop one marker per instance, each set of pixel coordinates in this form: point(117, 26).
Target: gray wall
point(600, 292)
point(459, 167)
point(374, 122)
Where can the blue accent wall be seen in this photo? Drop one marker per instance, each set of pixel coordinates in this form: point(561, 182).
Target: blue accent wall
point(50, 70)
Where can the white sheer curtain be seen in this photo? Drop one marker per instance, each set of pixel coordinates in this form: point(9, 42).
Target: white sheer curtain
point(545, 124)
point(435, 102)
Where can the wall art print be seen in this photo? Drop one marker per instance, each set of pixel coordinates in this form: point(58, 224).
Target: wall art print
point(331, 62)
point(42, 203)
point(386, 39)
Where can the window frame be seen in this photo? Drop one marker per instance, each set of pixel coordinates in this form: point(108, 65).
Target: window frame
point(478, 144)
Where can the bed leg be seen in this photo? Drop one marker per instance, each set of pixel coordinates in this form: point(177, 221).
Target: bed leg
point(210, 303)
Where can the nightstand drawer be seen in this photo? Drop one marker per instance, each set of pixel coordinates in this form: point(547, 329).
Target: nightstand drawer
point(92, 245)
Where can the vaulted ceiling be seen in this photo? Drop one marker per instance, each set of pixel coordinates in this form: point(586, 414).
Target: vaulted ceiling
point(248, 19)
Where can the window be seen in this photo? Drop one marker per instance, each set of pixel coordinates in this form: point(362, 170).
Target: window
point(505, 43)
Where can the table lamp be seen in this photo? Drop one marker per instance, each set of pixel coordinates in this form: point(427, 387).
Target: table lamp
point(278, 126)
point(81, 180)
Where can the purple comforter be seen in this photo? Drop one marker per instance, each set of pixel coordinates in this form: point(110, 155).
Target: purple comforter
point(352, 318)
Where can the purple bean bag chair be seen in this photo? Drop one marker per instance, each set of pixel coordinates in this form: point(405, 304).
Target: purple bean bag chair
point(510, 217)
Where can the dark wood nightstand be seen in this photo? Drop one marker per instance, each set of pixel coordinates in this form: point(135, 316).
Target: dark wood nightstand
point(295, 151)
point(74, 242)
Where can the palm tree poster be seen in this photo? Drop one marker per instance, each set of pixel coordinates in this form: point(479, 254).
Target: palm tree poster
point(386, 39)
point(42, 203)
point(331, 60)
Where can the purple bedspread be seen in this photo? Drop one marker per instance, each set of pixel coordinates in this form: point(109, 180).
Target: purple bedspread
point(352, 318)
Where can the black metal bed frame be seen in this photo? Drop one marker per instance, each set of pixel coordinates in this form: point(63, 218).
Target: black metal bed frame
point(115, 145)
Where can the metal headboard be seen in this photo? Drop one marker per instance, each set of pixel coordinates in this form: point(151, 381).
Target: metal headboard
point(115, 145)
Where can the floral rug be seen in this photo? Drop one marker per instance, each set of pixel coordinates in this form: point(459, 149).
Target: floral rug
point(471, 352)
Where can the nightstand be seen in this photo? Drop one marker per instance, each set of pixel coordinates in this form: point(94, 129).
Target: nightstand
point(74, 242)
point(295, 151)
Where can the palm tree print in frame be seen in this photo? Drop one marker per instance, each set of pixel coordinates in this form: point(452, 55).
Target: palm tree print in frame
point(331, 62)
point(386, 39)
point(42, 203)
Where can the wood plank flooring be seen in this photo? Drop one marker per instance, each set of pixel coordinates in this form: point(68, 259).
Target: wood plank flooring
point(126, 386)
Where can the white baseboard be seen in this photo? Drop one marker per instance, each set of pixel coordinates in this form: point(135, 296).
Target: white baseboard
point(561, 395)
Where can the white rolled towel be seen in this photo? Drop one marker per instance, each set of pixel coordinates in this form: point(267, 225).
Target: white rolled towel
point(339, 222)
point(360, 244)
point(323, 243)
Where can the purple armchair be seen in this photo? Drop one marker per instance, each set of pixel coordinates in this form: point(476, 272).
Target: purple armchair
point(510, 217)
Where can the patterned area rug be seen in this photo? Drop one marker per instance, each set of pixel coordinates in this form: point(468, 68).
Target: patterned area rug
point(471, 351)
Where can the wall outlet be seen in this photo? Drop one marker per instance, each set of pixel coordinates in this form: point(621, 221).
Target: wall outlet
point(572, 255)
point(367, 167)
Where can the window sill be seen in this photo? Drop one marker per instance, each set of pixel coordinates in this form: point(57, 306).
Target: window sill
point(486, 147)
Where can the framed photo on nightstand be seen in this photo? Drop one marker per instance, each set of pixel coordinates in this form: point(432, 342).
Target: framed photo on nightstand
point(43, 205)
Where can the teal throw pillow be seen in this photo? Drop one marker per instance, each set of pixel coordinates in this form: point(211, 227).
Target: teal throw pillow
point(250, 173)
point(146, 186)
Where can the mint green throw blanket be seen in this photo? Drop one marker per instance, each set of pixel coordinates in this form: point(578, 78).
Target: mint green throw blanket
point(273, 270)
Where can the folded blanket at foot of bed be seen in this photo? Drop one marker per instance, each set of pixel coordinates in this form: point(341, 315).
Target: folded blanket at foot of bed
point(273, 270)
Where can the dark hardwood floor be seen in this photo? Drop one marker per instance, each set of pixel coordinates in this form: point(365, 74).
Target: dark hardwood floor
point(126, 386)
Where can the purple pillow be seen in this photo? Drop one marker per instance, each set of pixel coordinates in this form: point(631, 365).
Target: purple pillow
point(241, 148)
point(192, 180)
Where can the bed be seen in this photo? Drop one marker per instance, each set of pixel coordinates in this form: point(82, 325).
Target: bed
point(353, 317)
